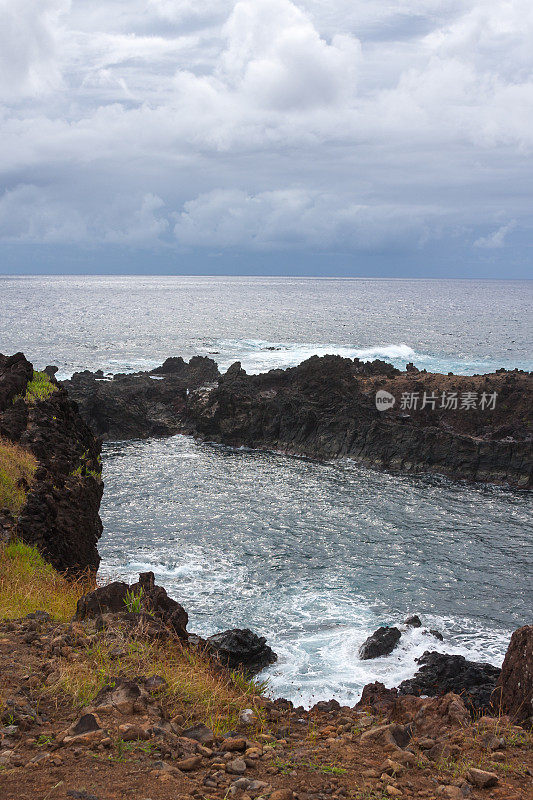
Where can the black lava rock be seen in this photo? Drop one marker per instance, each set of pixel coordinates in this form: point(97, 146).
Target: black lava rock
point(440, 673)
point(381, 643)
point(241, 649)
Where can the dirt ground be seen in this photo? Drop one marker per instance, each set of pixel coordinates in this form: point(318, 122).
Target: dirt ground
point(421, 749)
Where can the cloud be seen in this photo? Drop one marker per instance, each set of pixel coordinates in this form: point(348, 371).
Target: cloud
point(295, 219)
point(34, 214)
point(266, 124)
point(276, 58)
point(28, 56)
point(496, 239)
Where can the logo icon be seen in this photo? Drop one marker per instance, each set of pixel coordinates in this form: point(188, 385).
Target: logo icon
point(384, 400)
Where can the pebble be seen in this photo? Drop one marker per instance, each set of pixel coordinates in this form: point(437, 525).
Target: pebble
point(236, 767)
point(481, 779)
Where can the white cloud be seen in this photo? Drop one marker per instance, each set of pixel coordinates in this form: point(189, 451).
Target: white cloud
point(496, 239)
point(295, 218)
point(28, 57)
point(276, 58)
point(266, 124)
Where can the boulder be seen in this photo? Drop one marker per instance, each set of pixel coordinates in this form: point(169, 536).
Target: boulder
point(156, 608)
point(380, 643)
point(377, 697)
point(514, 693)
point(440, 673)
point(241, 649)
point(413, 621)
point(105, 599)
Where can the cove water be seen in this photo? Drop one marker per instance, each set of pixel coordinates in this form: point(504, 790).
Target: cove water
point(312, 555)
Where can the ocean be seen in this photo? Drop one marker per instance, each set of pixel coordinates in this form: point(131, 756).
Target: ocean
point(312, 555)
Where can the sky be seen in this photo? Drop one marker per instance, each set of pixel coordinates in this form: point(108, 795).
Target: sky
point(327, 137)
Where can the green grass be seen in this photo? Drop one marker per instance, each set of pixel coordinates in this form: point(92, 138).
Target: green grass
point(39, 388)
point(16, 474)
point(134, 601)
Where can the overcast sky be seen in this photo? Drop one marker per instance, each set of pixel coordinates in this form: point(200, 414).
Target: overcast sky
point(364, 137)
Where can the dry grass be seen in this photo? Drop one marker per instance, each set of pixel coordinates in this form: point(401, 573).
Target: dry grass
point(196, 689)
point(28, 584)
point(16, 473)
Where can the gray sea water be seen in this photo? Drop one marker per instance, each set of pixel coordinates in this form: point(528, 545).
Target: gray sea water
point(312, 555)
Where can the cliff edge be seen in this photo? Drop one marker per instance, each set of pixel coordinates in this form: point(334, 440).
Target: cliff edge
point(50, 471)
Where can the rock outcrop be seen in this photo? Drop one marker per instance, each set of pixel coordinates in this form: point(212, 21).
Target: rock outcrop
point(241, 649)
point(62, 500)
point(143, 599)
point(143, 404)
point(514, 693)
point(326, 408)
point(380, 643)
point(440, 673)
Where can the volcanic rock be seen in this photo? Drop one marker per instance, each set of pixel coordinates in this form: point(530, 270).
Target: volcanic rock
point(380, 643)
point(514, 694)
point(325, 408)
point(60, 515)
point(440, 673)
point(241, 649)
point(155, 604)
point(143, 404)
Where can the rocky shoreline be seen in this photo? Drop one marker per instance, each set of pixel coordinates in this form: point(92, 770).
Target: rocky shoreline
point(326, 408)
point(424, 739)
point(134, 734)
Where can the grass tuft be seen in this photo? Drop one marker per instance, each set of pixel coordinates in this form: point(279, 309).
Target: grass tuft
point(16, 473)
point(28, 584)
point(39, 388)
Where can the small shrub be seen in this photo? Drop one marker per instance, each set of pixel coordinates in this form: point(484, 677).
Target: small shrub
point(39, 388)
point(16, 473)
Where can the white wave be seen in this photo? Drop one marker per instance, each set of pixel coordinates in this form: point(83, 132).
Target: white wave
point(259, 355)
point(321, 664)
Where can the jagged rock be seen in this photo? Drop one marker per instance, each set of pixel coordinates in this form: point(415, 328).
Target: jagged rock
point(327, 705)
point(143, 404)
point(413, 621)
point(380, 643)
point(241, 648)
point(514, 693)
point(157, 609)
point(325, 408)
point(440, 673)
point(105, 599)
point(200, 733)
point(86, 723)
point(377, 696)
point(121, 695)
